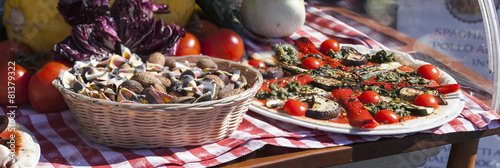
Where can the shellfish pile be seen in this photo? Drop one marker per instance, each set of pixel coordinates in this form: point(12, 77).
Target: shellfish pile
point(126, 78)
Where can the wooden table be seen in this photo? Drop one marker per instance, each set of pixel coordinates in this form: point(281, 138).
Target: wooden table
point(464, 144)
point(462, 154)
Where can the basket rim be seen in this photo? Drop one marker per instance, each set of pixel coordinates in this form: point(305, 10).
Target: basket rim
point(257, 85)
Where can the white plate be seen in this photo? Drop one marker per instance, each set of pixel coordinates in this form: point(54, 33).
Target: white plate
point(29, 154)
point(443, 115)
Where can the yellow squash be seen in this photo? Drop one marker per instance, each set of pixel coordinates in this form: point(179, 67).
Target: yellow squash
point(180, 11)
point(36, 23)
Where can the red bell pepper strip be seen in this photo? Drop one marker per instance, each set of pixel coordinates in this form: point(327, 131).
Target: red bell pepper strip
point(303, 78)
point(307, 47)
point(386, 85)
point(357, 115)
point(445, 89)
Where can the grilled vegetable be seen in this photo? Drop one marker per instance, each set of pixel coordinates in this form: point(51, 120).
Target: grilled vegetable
point(445, 89)
point(409, 93)
point(355, 59)
point(331, 79)
point(276, 103)
point(284, 89)
point(349, 56)
point(307, 47)
point(323, 108)
point(371, 71)
point(273, 72)
point(418, 110)
point(381, 57)
point(279, 95)
point(309, 90)
point(286, 54)
point(400, 107)
point(400, 77)
point(358, 116)
point(292, 68)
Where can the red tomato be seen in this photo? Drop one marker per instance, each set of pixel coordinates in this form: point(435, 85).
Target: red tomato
point(311, 63)
point(188, 45)
point(328, 45)
point(369, 97)
point(201, 28)
point(223, 43)
point(257, 63)
point(386, 116)
point(426, 100)
point(15, 79)
point(10, 48)
point(295, 107)
point(43, 96)
point(428, 71)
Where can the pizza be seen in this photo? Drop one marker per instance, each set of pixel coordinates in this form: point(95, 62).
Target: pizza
point(354, 88)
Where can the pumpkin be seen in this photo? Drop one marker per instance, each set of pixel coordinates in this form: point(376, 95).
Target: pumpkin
point(180, 11)
point(36, 23)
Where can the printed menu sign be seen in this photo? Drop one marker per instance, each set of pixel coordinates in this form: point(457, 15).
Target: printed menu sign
point(454, 28)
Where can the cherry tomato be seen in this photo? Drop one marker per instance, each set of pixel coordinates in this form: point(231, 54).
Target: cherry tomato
point(257, 63)
point(10, 48)
point(295, 107)
point(43, 96)
point(188, 45)
point(15, 79)
point(428, 71)
point(369, 97)
point(386, 116)
point(426, 100)
point(311, 63)
point(223, 43)
point(328, 45)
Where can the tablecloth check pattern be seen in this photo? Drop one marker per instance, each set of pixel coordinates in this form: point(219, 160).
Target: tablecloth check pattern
point(63, 145)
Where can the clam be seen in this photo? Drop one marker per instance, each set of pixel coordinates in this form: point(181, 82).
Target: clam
point(154, 96)
point(67, 79)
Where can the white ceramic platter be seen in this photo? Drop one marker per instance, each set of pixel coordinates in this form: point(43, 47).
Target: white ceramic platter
point(443, 115)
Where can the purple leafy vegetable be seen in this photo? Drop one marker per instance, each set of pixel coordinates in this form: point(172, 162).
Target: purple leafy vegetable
point(98, 29)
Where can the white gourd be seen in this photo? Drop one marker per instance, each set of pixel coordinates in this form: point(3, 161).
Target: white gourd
point(273, 18)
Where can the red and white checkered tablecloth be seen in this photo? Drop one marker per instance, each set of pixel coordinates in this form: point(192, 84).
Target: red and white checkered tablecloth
point(62, 144)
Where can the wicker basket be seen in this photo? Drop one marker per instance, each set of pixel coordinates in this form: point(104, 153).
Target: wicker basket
point(162, 125)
